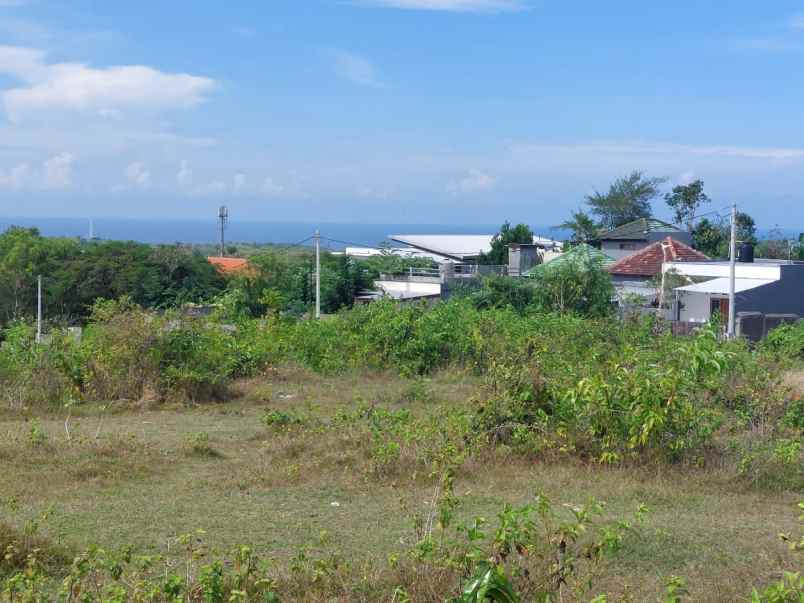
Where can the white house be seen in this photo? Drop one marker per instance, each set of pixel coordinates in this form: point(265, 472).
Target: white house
point(766, 286)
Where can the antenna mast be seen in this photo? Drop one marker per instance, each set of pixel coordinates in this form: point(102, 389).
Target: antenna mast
point(223, 220)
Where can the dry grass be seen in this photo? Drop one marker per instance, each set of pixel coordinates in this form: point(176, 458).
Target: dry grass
point(125, 478)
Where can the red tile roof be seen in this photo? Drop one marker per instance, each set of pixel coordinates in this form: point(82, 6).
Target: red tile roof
point(228, 265)
point(648, 261)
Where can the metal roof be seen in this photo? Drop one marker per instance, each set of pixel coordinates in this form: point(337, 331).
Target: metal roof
point(638, 229)
point(451, 246)
point(720, 286)
point(581, 255)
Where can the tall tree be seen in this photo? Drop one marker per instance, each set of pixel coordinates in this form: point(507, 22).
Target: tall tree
point(583, 227)
point(521, 233)
point(685, 200)
point(627, 199)
point(709, 237)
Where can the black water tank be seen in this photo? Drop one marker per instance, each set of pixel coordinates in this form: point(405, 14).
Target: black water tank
point(746, 253)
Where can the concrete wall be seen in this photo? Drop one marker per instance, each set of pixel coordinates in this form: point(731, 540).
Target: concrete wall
point(696, 307)
point(620, 249)
point(785, 296)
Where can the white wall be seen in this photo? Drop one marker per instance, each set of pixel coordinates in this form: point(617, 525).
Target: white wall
point(612, 248)
point(696, 307)
point(771, 272)
point(408, 289)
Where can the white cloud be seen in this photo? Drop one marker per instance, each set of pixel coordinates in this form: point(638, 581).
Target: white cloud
point(355, 68)
point(16, 177)
point(457, 6)
point(58, 171)
point(238, 182)
point(269, 187)
point(686, 178)
point(76, 87)
point(184, 177)
point(643, 148)
point(473, 182)
point(138, 175)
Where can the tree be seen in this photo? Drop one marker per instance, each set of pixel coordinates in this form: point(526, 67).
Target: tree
point(578, 287)
point(498, 255)
point(583, 227)
point(627, 199)
point(746, 228)
point(713, 238)
point(685, 200)
point(708, 237)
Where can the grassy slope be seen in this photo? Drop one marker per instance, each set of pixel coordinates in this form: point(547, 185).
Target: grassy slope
point(137, 484)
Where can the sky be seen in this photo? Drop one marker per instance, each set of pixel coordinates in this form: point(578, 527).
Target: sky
point(395, 111)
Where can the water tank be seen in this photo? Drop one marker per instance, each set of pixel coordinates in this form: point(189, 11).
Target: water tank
point(746, 253)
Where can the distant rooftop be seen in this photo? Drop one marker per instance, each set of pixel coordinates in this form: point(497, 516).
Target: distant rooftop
point(456, 247)
point(638, 229)
point(649, 261)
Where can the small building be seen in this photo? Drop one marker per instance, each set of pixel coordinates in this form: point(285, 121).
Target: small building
point(637, 273)
point(761, 286)
point(633, 236)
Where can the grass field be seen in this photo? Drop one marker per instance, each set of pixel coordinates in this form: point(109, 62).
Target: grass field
point(131, 474)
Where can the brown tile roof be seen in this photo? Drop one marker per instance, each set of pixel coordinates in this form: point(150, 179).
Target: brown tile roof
point(228, 265)
point(648, 261)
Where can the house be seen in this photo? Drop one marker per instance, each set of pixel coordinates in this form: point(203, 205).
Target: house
point(633, 236)
point(761, 286)
point(637, 273)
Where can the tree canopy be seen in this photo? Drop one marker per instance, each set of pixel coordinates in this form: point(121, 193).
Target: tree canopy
point(582, 226)
point(521, 233)
point(685, 200)
point(628, 198)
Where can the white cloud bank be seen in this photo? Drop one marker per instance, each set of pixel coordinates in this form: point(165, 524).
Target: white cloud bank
point(356, 69)
point(138, 175)
point(473, 182)
point(105, 92)
point(456, 6)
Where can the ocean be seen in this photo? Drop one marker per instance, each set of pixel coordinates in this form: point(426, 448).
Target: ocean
point(334, 235)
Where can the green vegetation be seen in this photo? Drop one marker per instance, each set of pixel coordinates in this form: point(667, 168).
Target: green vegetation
point(363, 457)
point(76, 274)
point(498, 256)
point(628, 199)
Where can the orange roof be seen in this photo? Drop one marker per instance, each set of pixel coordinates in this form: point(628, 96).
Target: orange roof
point(648, 261)
point(228, 265)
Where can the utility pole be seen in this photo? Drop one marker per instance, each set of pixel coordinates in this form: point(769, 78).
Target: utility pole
point(39, 309)
point(732, 270)
point(317, 275)
point(223, 220)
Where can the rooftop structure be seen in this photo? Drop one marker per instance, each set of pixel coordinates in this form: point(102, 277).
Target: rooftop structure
point(633, 236)
point(459, 248)
point(649, 260)
point(582, 256)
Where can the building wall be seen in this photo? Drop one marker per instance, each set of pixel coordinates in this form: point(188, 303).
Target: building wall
point(621, 249)
point(695, 307)
point(785, 296)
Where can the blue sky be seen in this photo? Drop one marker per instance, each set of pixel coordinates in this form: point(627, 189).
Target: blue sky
point(421, 111)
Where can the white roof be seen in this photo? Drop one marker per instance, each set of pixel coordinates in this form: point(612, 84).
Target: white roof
point(721, 285)
point(454, 246)
point(403, 252)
